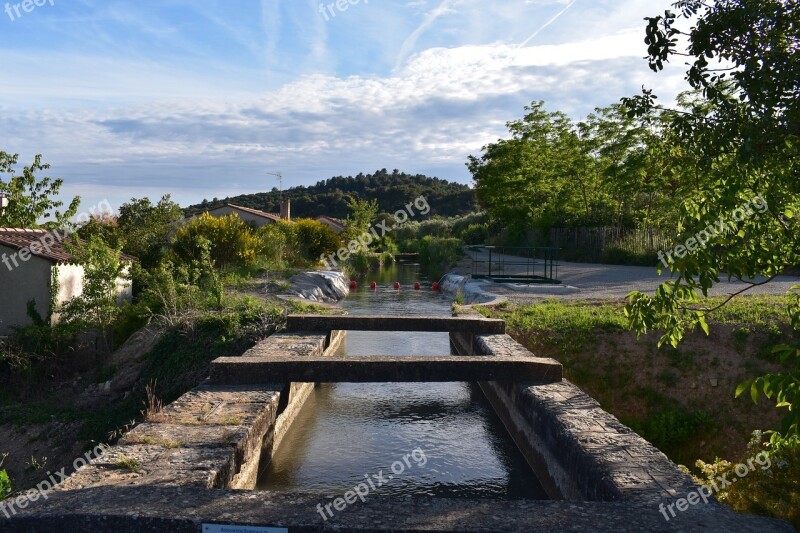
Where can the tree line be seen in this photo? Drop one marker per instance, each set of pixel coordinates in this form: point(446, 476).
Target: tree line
point(330, 197)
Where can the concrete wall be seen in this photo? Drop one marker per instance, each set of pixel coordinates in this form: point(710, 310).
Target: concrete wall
point(30, 280)
point(247, 217)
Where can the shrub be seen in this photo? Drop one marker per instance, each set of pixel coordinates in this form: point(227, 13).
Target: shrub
point(233, 242)
point(436, 255)
point(276, 239)
point(5, 482)
point(620, 256)
point(475, 234)
point(674, 427)
point(315, 239)
point(770, 487)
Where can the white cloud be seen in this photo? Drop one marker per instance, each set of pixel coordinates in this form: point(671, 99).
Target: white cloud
point(155, 130)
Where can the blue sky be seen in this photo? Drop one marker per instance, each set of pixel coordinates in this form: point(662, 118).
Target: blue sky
point(202, 98)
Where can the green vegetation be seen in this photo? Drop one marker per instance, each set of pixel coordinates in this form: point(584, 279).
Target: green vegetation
point(230, 241)
point(5, 482)
point(739, 131)
point(127, 463)
point(609, 170)
point(770, 487)
point(96, 306)
point(32, 200)
point(437, 254)
point(331, 197)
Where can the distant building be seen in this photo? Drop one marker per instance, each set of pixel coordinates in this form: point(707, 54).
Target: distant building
point(334, 223)
point(30, 261)
point(254, 216)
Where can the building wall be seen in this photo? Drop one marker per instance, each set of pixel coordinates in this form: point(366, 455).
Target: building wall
point(247, 217)
point(70, 280)
point(124, 288)
point(30, 280)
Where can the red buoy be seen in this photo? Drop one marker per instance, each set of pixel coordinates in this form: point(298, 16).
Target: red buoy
point(416, 285)
point(373, 285)
point(396, 284)
point(353, 285)
point(435, 285)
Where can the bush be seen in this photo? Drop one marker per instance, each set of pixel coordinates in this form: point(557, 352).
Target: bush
point(233, 242)
point(5, 482)
point(621, 256)
point(276, 239)
point(770, 488)
point(315, 239)
point(475, 234)
point(673, 428)
point(437, 255)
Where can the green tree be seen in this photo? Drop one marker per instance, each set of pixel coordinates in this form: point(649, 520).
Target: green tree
point(637, 187)
point(744, 126)
point(31, 201)
point(147, 228)
point(104, 226)
point(97, 304)
point(362, 216)
point(529, 180)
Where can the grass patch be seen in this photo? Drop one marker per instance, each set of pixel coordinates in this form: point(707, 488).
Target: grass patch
point(128, 463)
point(566, 327)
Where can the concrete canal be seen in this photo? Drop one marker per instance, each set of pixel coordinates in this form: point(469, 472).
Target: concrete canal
point(347, 430)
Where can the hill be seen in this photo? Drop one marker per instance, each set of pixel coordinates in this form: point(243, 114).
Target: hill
point(329, 197)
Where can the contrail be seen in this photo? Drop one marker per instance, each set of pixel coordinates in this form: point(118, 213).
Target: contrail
point(548, 23)
point(411, 40)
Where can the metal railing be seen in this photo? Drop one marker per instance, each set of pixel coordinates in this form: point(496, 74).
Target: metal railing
point(517, 264)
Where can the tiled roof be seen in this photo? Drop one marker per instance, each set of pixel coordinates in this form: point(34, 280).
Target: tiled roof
point(336, 221)
point(252, 211)
point(47, 244)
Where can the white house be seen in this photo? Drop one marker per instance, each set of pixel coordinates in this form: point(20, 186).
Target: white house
point(30, 261)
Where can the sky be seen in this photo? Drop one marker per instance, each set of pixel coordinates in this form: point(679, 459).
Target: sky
point(203, 99)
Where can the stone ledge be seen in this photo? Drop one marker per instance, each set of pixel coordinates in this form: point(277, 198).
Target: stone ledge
point(477, 325)
point(183, 510)
point(366, 369)
point(300, 344)
point(154, 466)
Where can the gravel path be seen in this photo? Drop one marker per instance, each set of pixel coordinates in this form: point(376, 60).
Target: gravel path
point(614, 281)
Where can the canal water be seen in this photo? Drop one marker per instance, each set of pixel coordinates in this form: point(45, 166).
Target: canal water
point(438, 439)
